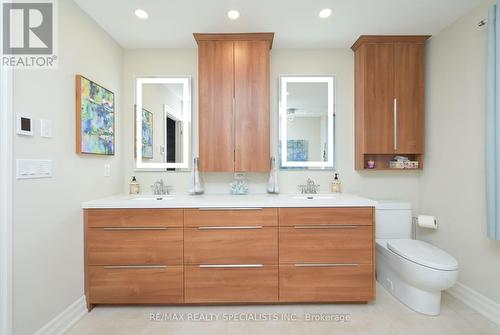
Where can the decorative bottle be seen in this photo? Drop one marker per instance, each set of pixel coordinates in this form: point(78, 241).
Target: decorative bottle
point(197, 182)
point(336, 184)
point(272, 184)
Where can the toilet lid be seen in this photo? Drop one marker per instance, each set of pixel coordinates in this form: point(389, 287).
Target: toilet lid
point(423, 253)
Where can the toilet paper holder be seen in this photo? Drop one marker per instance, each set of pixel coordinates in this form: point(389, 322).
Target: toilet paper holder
point(414, 224)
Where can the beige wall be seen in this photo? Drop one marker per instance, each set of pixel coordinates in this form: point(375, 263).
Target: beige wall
point(452, 185)
point(339, 62)
point(47, 215)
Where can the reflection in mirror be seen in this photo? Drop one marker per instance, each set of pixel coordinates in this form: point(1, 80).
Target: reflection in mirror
point(306, 122)
point(164, 121)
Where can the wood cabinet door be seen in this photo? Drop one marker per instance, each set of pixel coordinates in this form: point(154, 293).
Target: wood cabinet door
point(238, 284)
point(378, 89)
point(122, 246)
point(251, 85)
point(409, 93)
point(216, 134)
point(231, 245)
point(135, 285)
point(331, 244)
point(326, 283)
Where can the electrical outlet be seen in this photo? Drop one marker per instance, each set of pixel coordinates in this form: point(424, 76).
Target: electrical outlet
point(107, 170)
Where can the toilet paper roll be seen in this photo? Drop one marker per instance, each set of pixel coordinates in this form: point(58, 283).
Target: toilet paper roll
point(427, 221)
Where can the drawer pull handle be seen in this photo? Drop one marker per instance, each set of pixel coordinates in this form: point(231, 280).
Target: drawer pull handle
point(326, 226)
point(318, 265)
point(135, 266)
point(134, 228)
point(215, 266)
point(227, 228)
point(230, 209)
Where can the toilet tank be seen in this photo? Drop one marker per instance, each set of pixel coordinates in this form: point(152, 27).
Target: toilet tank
point(393, 220)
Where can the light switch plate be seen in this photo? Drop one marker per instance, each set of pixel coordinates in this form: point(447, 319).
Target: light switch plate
point(33, 168)
point(46, 128)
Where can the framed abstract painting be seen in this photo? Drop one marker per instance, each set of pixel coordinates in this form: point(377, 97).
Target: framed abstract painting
point(95, 118)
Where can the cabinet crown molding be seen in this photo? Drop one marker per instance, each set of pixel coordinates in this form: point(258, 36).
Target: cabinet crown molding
point(234, 37)
point(366, 39)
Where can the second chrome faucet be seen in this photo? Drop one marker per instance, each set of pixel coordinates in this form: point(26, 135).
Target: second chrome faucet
point(309, 188)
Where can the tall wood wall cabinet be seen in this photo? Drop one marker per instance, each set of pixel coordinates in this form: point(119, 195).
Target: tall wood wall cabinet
point(389, 99)
point(234, 133)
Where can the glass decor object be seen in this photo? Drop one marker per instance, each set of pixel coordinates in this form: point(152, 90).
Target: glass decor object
point(272, 184)
point(239, 186)
point(197, 182)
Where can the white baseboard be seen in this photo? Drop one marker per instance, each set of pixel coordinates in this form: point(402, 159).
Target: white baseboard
point(64, 321)
point(484, 305)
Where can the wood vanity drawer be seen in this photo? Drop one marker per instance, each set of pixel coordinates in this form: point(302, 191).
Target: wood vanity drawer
point(326, 216)
point(231, 245)
point(127, 285)
point(143, 217)
point(326, 244)
point(231, 217)
point(231, 284)
point(131, 246)
point(326, 283)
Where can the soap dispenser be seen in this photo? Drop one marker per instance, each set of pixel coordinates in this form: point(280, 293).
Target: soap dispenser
point(135, 187)
point(336, 184)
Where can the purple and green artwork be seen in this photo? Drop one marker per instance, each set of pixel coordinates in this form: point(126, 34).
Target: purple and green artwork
point(147, 134)
point(97, 119)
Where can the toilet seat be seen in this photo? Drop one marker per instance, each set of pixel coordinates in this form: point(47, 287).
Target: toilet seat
point(423, 253)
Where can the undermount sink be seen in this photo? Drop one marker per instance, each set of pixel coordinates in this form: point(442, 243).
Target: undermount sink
point(315, 196)
point(153, 198)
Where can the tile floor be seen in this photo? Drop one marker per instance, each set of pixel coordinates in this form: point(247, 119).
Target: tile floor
point(386, 316)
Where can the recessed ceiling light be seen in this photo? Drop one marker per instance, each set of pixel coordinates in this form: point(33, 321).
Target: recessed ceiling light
point(233, 14)
point(324, 13)
point(141, 14)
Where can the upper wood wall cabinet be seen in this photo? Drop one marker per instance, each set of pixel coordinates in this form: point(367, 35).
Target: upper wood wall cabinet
point(234, 131)
point(389, 99)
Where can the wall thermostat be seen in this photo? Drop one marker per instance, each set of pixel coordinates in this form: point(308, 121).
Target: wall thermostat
point(24, 125)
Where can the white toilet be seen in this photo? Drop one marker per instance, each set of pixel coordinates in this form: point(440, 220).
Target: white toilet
point(413, 271)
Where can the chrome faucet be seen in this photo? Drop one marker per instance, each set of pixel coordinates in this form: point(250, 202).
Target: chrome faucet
point(160, 188)
point(309, 188)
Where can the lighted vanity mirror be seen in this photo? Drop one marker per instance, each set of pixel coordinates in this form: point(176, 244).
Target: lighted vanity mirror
point(307, 122)
point(163, 122)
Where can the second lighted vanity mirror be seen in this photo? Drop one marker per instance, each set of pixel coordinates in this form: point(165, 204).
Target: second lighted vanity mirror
point(306, 122)
point(163, 122)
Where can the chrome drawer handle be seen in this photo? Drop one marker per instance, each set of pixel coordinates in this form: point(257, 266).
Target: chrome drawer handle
point(230, 209)
point(134, 228)
point(327, 226)
point(135, 266)
point(214, 266)
point(229, 228)
point(317, 265)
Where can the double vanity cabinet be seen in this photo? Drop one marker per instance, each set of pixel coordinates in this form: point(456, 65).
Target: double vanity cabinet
point(230, 254)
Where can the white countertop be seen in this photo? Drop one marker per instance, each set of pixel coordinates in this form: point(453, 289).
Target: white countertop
point(231, 201)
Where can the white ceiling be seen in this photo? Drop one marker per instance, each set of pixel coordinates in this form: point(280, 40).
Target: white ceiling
point(295, 22)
